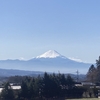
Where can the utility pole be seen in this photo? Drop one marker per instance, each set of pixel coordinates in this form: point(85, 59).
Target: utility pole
point(77, 75)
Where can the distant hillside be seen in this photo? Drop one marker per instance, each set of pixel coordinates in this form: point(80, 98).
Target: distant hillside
point(11, 72)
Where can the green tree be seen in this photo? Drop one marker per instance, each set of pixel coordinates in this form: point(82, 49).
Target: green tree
point(7, 93)
point(24, 91)
point(50, 86)
point(70, 82)
point(38, 86)
point(91, 75)
point(98, 70)
point(98, 62)
point(46, 85)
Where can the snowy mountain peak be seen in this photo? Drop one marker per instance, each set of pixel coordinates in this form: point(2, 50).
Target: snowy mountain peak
point(50, 54)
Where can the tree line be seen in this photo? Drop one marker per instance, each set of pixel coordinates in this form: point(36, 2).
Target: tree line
point(48, 87)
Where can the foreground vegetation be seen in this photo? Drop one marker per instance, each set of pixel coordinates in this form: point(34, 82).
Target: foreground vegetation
point(49, 87)
point(85, 99)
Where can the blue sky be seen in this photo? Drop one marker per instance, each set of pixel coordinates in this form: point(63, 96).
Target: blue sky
point(28, 28)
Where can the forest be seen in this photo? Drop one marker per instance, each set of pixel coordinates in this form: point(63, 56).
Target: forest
point(51, 86)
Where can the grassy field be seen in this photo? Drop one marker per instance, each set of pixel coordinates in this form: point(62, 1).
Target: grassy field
point(85, 99)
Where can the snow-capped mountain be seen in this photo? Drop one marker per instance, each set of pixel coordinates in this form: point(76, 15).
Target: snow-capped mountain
point(50, 54)
point(50, 61)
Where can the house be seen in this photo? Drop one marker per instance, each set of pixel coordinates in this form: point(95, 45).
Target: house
point(14, 86)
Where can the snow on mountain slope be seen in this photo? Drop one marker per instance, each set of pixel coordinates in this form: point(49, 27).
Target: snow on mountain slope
point(75, 59)
point(50, 61)
point(50, 54)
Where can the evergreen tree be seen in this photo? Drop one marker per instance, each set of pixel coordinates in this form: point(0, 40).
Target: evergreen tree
point(7, 93)
point(91, 75)
point(46, 85)
point(24, 91)
point(98, 62)
point(38, 86)
point(50, 86)
point(69, 82)
point(98, 70)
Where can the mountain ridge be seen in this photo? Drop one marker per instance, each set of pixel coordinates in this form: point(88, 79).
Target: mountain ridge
point(51, 61)
point(50, 54)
